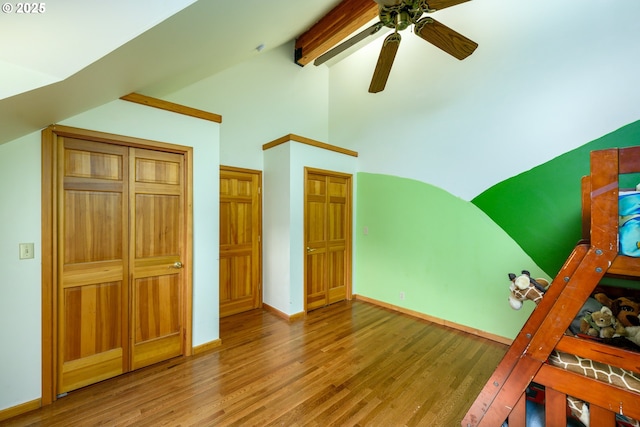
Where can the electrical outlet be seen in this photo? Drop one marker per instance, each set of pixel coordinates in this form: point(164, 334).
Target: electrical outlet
point(26, 250)
point(401, 295)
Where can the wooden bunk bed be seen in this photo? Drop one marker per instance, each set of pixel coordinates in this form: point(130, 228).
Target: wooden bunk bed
point(526, 361)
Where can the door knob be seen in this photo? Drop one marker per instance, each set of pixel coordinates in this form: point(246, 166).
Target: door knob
point(177, 264)
point(310, 249)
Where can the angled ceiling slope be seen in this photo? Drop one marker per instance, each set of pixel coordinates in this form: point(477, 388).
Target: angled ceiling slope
point(180, 50)
point(52, 41)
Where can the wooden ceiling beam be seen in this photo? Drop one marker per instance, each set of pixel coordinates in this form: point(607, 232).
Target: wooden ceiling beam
point(342, 21)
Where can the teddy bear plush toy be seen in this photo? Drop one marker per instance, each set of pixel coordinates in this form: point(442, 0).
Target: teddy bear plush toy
point(602, 324)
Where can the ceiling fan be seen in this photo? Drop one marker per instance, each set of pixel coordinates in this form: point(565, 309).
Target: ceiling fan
point(398, 15)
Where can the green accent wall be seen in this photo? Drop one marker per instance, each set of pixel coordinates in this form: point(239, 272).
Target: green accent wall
point(540, 208)
point(448, 258)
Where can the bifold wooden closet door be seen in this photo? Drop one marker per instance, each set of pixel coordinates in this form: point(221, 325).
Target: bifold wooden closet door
point(327, 237)
point(120, 222)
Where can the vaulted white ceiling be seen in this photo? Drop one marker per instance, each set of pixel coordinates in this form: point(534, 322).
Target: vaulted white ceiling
point(77, 54)
point(80, 54)
point(52, 41)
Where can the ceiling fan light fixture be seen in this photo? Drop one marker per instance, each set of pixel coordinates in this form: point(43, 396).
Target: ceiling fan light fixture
point(403, 20)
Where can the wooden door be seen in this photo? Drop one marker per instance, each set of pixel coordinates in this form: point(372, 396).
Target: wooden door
point(240, 242)
point(120, 288)
point(156, 226)
point(92, 263)
point(327, 234)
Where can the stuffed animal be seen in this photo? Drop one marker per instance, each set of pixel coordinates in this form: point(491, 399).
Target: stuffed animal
point(626, 310)
point(602, 324)
point(633, 334)
point(524, 287)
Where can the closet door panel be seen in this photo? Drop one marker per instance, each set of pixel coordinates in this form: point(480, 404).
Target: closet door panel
point(316, 240)
point(92, 284)
point(337, 226)
point(156, 224)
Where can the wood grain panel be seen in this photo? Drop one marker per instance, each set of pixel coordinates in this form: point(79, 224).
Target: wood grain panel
point(157, 225)
point(154, 351)
point(316, 214)
point(241, 272)
point(86, 164)
point(92, 273)
point(240, 224)
point(225, 234)
point(157, 172)
point(94, 224)
point(316, 271)
point(225, 280)
point(337, 215)
point(92, 320)
point(243, 188)
point(316, 185)
point(91, 369)
point(336, 268)
point(156, 307)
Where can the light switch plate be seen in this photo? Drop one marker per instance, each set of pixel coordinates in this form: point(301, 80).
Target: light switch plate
point(26, 250)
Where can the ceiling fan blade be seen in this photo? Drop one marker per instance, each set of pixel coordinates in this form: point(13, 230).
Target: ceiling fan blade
point(452, 42)
point(385, 61)
point(347, 44)
point(442, 4)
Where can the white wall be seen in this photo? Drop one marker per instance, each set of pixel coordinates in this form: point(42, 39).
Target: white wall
point(20, 296)
point(276, 234)
point(530, 92)
point(20, 177)
point(262, 100)
point(284, 218)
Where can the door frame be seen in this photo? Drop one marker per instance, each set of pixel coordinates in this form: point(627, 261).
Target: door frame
point(51, 149)
point(349, 231)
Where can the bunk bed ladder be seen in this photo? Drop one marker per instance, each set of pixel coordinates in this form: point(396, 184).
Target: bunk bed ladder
point(496, 399)
point(503, 396)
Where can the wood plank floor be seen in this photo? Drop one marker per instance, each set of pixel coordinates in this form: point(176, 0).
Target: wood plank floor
point(349, 364)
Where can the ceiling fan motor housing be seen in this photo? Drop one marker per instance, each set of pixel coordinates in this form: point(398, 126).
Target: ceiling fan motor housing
point(399, 14)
